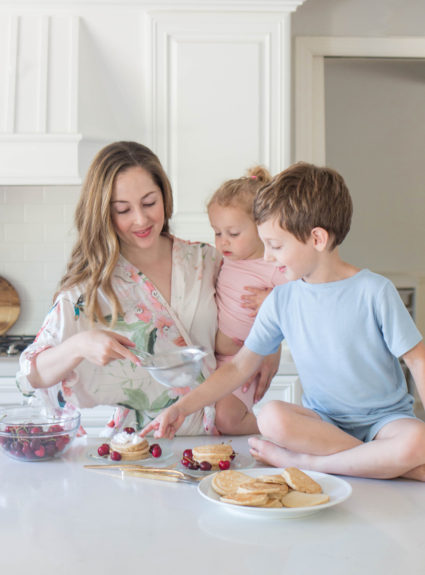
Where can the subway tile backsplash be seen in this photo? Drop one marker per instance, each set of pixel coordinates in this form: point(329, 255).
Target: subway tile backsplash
point(36, 238)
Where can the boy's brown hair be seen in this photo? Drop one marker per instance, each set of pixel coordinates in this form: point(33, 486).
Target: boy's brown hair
point(304, 197)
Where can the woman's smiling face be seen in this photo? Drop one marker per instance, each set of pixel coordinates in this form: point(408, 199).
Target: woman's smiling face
point(137, 209)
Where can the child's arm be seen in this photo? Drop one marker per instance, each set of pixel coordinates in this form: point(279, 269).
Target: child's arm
point(415, 361)
point(226, 345)
point(222, 382)
point(267, 371)
point(254, 299)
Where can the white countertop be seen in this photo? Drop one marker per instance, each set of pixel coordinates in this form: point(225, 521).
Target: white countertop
point(58, 518)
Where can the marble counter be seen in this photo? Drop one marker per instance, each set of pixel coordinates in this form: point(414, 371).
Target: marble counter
point(57, 517)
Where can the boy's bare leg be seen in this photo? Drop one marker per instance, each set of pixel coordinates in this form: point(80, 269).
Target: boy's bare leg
point(398, 449)
point(301, 430)
point(233, 418)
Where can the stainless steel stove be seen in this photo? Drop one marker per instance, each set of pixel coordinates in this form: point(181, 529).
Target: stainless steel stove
point(13, 345)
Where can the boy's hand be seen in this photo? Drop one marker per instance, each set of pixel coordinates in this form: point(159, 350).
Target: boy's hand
point(166, 424)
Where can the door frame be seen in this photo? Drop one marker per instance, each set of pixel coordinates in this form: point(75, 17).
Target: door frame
point(310, 54)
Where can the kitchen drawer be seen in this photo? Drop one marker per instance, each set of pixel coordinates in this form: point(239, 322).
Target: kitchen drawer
point(284, 388)
point(9, 393)
point(94, 419)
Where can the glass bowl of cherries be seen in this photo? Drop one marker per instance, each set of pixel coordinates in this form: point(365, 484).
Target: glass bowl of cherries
point(30, 434)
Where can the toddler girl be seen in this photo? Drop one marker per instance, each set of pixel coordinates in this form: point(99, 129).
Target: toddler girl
point(237, 239)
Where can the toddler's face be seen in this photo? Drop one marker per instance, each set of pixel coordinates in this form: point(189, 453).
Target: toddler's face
point(293, 257)
point(236, 235)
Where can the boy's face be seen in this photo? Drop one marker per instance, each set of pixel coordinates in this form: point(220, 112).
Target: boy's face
point(293, 257)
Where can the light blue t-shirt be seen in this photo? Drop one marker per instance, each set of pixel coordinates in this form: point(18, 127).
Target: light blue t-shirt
point(345, 338)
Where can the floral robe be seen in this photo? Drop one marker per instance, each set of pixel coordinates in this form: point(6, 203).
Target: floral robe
point(152, 324)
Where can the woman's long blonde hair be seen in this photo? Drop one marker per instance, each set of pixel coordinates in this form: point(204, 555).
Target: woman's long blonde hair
point(96, 251)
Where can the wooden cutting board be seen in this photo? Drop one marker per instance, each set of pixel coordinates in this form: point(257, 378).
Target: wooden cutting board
point(10, 306)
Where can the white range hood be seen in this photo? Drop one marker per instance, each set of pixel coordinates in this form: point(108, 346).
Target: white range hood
point(41, 139)
point(173, 74)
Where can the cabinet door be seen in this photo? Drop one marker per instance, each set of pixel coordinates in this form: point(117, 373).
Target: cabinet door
point(9, 393)
point(284, 388)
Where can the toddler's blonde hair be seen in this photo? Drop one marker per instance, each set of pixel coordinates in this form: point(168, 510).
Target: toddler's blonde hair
point(240, 192)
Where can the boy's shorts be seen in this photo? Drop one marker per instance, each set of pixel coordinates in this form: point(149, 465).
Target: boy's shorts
point(366, 427)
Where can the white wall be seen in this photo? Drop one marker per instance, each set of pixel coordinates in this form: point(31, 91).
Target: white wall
point(375, 136)
point(359, 18)
point(36, 236)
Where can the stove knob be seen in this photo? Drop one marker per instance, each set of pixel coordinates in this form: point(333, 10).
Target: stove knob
point(12, 349)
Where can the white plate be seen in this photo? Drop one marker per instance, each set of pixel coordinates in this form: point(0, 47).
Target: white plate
point(165, 456)
point(337, 489)
point(238, 463)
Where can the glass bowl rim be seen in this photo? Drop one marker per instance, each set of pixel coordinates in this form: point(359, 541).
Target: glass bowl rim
point(23, 416)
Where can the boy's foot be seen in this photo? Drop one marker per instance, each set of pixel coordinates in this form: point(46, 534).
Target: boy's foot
point(272, 454)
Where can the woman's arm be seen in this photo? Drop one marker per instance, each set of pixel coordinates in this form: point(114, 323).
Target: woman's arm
point(415, 361)
point(97, 346)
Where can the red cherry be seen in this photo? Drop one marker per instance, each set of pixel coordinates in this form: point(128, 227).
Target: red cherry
point(185, 462)
point(103, 449)
point(55, 428)
point(50, 449)
point(35, 444)
point(35, 430)
point(26, 450)
point(129, 430)
point(156, 450)
point(60, 443)
point(205, 466)
point(223, 465)
point(188, 453)
point(40, 452)
point(193, 465)
point(115, 456)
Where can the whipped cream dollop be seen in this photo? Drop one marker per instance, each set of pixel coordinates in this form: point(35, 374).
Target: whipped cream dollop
point(124, 438)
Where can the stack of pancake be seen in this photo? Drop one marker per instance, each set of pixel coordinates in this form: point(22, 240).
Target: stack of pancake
point(291, 488)
point(130, 446)
point(213, 453)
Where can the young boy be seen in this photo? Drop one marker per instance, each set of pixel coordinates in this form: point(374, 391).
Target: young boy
point(346, 329)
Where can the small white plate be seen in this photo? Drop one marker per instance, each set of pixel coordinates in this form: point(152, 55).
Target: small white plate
point(165, 456)
point(337, 489)
point(238, 463)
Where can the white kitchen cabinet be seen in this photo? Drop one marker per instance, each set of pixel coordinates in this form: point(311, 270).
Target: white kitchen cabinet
point(93, 419)
point(205, 83)
point(286, 385)
point(283, 388)
point(9, 393)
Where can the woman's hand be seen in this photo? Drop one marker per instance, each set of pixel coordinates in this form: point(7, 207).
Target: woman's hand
point(101, 347)
point(98, 346)
point(166, 424)
point(264, 375)
point(254, 299)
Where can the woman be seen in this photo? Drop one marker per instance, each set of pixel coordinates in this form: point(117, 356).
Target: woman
point(128, 283)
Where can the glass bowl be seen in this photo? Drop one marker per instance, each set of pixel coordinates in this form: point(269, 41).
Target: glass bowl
point(177, 368)
point(29, 434)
